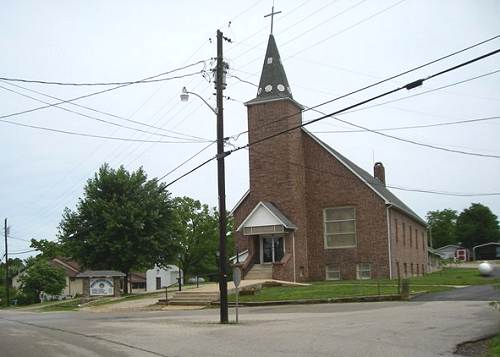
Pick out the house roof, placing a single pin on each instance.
(273, 83)
(273, 212)
(137, 277)
(446, 246)
(368, 179)
(432, 251)
(99, 273)
(71, 268)
(485, 244)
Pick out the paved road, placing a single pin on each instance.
(470, 293)
(375, 329)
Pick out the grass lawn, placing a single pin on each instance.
(455, 276)
(434, 282)
(494, 347)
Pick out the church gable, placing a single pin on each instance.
(265, 218)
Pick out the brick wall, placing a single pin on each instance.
(330, 184)
(407, 246)
(299, 176)
(273, 177)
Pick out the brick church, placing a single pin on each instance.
(310, 213)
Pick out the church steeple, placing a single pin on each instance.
(273, 83)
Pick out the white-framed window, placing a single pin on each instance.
(340, 227)
(332, 272)
(364, 271)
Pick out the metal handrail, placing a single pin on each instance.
(166, 291)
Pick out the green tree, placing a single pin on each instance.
(41, 276)
(442, 224)
(477, 225)
(124, 221)
(198, 235)
(16, 266)
(49, 249)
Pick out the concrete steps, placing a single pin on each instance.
(193, 298)
(260, 271)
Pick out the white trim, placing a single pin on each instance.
(358, 270)
(485, 244)
(264, 100)
(343, 163)
(240, 201)
(389, 239)
(273, 255)
(479, 246)
(255, 209)
(355, 228)
(59, 261)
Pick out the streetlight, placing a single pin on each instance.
(221, 154)
(185, 97)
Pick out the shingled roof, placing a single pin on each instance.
(273, 82)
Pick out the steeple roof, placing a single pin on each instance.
(273, 82)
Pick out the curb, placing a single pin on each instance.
(318, 301)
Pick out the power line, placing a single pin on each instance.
(75, 84)
(186, 161)
(413, 141)
(23, 252)
(95, 118)
(424, 92)
(324, 22)
(348, 28)
(445, 193)
(408, 86)
(94, 135)
(21, 239)
(378, 82)
(107, 90)
(264, 157)
(190, 171)
(409, 126)
(108, 114)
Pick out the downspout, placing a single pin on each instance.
(388, 214)
(293, 257)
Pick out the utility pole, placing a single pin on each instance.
(7, 297)
(219, 86)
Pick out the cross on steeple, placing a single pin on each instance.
(272, 16)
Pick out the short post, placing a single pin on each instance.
(166, 295)
(237, 302)
(197, 281)
(236, 281)
(405, 289)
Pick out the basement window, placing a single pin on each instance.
(332, 272)
(364, 271)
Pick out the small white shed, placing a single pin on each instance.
(157, 278)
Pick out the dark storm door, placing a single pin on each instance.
(267, 250)
(158, 283)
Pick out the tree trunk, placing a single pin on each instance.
(125, 285)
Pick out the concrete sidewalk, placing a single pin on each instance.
(245, 284)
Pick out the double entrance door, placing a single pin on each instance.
(271, 249)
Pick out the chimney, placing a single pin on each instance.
(379, 172)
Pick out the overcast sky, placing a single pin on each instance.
(328, 48)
